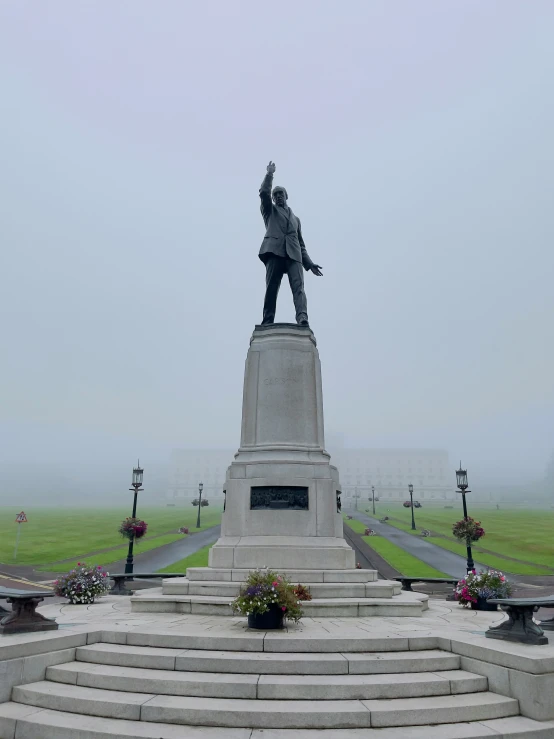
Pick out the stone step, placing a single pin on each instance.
(368, 687)
(295, 576)
(239, 639)
(33, 723)
(404, 604)
(269, 663)
(266, 687)
(261, 714)
(224, 589)
(158, 682)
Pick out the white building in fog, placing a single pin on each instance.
(189, 467)
(389, 470)
(392, 470)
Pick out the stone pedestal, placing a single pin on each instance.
(282, 506)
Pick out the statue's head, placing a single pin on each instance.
(280, 196)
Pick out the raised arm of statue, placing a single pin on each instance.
(265, 192)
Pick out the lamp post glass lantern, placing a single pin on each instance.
(136, 487)
(411, 491)
(462, 484)
(137, 476)
(200, 488)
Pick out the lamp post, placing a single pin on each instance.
(373, 497)
(136, 486)
(411, 490)
(461, 482)
(200, 488)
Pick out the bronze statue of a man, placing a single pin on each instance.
(283, 251)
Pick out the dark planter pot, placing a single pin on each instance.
(482, 605)
(272, 619)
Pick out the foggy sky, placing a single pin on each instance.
(415, 142)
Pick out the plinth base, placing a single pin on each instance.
(282, 552)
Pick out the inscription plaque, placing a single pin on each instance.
(279, 497)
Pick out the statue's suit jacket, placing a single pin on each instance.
(283, 236)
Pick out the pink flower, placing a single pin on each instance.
(275, 584)
(283, 608)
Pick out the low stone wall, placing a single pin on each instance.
(24, 659)
(515, 670)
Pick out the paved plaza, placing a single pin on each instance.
(110, 672)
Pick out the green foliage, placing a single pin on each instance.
(265, 588)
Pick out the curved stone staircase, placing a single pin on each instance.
(167, 685)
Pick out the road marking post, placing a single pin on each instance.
(19, 519)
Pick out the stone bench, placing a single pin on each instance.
(407, 581)
(23, 616)
(119, 579)
(520, 626)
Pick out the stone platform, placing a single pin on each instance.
(110, 673)
(343, 593)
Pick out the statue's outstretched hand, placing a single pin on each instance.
(316, 269)
(271, 168)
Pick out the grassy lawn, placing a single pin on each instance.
(397, 557)
(356, 526)
(72, 534)
(405, 563)
(198, 559)
(522, 534)
(114, 555)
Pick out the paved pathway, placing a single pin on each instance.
(157, 559)
(437, 557)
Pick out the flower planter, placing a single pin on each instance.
(82, 584)
(272, 619)
(482, 605)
